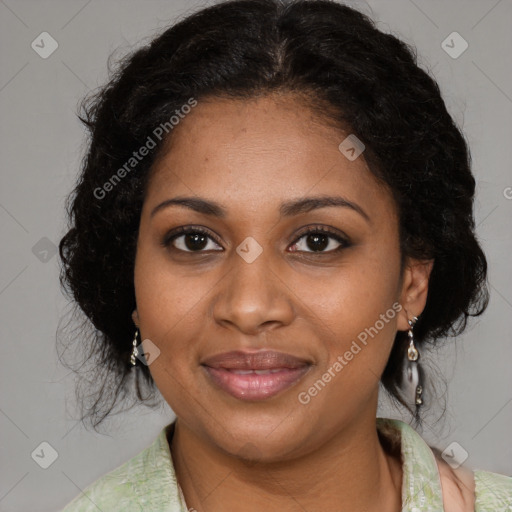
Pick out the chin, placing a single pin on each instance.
(259, 437)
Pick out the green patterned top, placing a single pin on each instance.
(147, 482)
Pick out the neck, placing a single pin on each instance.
(351, 471)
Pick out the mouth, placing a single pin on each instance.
(255, 375)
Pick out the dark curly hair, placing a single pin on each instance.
(352, 75)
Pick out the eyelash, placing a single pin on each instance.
(173, 235)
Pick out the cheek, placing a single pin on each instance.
(352, 298)
(356, 345)
(165, 296)
(356, 315)
(169, 308)
(170, 315)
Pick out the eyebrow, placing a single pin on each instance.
(287, 209)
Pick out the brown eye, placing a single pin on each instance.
(320, 240)
(189, 239)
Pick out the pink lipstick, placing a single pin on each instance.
(255, 375)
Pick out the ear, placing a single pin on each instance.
(413, 296)
(135, 317)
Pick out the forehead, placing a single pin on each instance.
(256, 153)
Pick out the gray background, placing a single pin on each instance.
(41, 145)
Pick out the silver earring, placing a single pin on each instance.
(412, 378)
(135, 351)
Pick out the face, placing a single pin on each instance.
(291, 287)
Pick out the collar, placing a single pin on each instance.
(421, 484)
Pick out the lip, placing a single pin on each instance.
(255, 375)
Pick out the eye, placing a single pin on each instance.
(190, 239)
(318, 239)
(195, 239)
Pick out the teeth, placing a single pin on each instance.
(257, 372)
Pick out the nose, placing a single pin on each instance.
(252, 297)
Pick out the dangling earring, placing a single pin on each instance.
(412, 379)
(135, 351)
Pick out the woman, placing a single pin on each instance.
(274, 216)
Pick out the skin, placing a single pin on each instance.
(250, 156)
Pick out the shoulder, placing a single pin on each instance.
(113, 491)
(458, 487)
(145, 482)
(479, 491)
(429, 480)
(493, 492)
